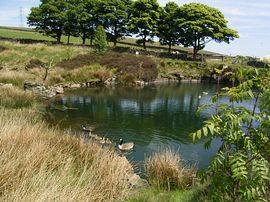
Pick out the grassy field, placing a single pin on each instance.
(30, 34)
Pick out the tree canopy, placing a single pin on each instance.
(49, 17)
(191, 25)
(167, 26)
(200, 24)
(144, 21)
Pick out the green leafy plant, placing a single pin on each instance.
(240, 169)
(100, 40)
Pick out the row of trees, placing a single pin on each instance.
(190, 25)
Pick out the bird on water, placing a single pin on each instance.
(125, 146)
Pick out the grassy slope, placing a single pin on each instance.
(28, 33)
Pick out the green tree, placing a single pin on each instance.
(167, 25)
(240, 169)
(71, 25)
(116, 15)
(49, 18)
(100, 39)
(202, 24)
(144, 21)
(87, 11)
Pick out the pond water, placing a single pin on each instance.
(154, 117)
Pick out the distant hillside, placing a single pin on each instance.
(29, 34)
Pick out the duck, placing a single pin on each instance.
(85, 129)
(205, 93)
(199, 96)
(126, 146)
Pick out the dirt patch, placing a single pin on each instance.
(34, 63)
(129, 66)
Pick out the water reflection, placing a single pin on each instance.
(154, 117)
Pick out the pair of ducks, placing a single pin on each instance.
(122, 146)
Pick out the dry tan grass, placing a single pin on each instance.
(13, 97)
(166, 170)
(17, 78)
(43, 164)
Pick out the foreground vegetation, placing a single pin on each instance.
(39, 163)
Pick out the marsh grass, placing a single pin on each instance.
(13, 97)
(166, 171)
(39, 163)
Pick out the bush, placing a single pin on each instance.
(142, 67)
(100, 40)
(166, 170)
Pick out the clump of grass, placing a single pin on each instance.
(17, 78)
(39, 163)
(88, 73)
(13, 97)
(166, 170)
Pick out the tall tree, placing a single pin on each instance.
(87, 11)
(202, 24)
(49, 18)
(71, 25)
(116, 16)
(167, 25)
(144, 20)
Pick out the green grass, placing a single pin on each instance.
(151, 195)
(30, 34)
(19, 55)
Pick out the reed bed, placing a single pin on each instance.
(39, 163)
(166, 170)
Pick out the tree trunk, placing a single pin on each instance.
(83, 39)
(144, 42)
(195, 51)
(115, 32)
(68, 39)
(58, 37)
(170, 47)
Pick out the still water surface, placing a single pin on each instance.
(154, 118)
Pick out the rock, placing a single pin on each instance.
(75, 85)
(139, 83)
(135, 181)
(7, 85)
(110, 81)
(58, 90)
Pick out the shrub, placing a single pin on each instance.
(100, 40)
(166, 170)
